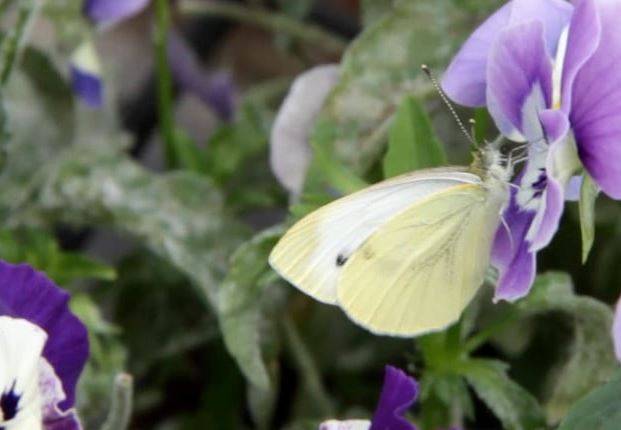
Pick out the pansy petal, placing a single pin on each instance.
(519, 80)
(28, 294)
(108, 12)
(465, 80)
(558, 173)
(345, 425)
(616, 330)
(21, 346)
(85, 73)
(52, 394)
(398, 394)
(572, 189)
(511, 255)
(216, 90)
(290, 151)
(554, 14)
(582, 40)
(596, 104)
(547, 220)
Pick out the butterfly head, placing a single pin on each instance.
(491, 164)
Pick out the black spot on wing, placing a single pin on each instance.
(341, 259)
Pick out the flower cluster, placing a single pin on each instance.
(547, 70)
(215, 90)
(43, 349)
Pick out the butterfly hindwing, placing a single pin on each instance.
(418, 271)
(313, 253)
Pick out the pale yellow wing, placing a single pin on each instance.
(313, 252)
(418, 272)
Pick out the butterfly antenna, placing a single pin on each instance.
(450, 107)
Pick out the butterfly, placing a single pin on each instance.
(405, 256)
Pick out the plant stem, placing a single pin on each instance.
(273, 21)
(497, 326)
(15, 38)
(164, 80)
(307, 367)
(121, 403)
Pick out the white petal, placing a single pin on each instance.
(290, 152)
(345, 425)
(21, 347)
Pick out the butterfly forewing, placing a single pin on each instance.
(313, 253)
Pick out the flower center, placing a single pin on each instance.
(9, 403)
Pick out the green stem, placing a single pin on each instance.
(15, 38)
(492, 329)
(307, 368)
(164, 80)
(121, 403)
(276, 22)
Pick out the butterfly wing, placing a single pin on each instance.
(418, 272)
(314, 251)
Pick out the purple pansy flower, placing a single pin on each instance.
(216, 90)
(398, 395)
(85, 75)
(547, 70)
(109, 12)
(43, 349)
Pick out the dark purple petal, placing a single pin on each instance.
(519, 76)
(465, 80)
(87, 87)
(398, 395)
(52, 394)
(28, 294)
(582, 41)
(616, 330)
(217, 91)
(112, 11)
(511, 253)
(596, 103)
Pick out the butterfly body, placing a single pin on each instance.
(404, 256)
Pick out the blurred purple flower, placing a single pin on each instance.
(398, 395)
(547, 71)
(216, 90)
(85, 75)
(44, 351)
(109, 12)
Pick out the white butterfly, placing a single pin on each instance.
(405, 256)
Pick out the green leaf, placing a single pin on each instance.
(588, 194)
(180, 216)
(107, 359)
(382, 65)
(412, 144)
(516, 408)
(590, 358)
(373, 10)
(600, 410)
(240, 312)
(40, 250)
